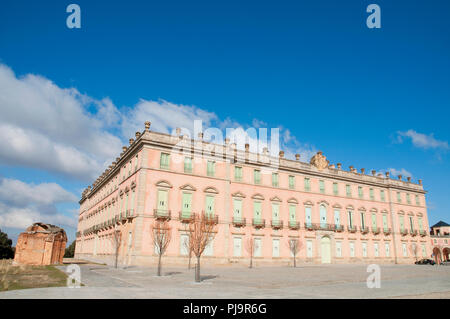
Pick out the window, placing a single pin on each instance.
(238, 173)
(237, 246)
(136, 163)
(275, 248)
(364, 249)
(322, 186)
(257, 176)
(352, 249)
(371, 194)
(309, 249)
(417, 200)
(184, 244)
(408, 199)
(129, 168)
(424, 251)
(188, 165)
(292, 214)
(237, 204)
(307, 184)
(420, 224)
(338, 249)
(387, 249)
(335, 189)
(350, 219)
(405, 251)
(209, 205)
(399, 198)
(360, 192)
(374, 221)
(186, 205)
(402, 222)
(308, 215)
(164, 161)
(257, 242)
(383, 199)
(210, 168)
(209, 248)
(411, 223)
(363, 220)
(291, 182)
(275, 179)
(162, 201)
(376, 250)
(257, 211)
(275, 212)
(348, 190)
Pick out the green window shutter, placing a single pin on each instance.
(350, 218)
(335, 189)
(385, 224)
(292, 214)
(348, 190)
(209, 205)
(402, 222)
(408, 199)
(360, 192)
(308, 215)
(291, 182)
(322, 186)
(188, 165)
(257, 176)
(420, 224)
(186, 204)
(237, 208)
(275, 212)
(374, 221)
(411, 223)
(382, 195)
(164, 161)
(257, 210)
(363, 221)
(417, 200)
(162, 200)
(307, 184)
(238, 173)
(399, 199)
(372, 196)
(275, 179)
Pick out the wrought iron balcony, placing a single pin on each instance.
(351, 229)
(413, 232)
(310, 226)
(403, 232)
(238, 222)
(386, 231)
(123, 216)
(211, 218)
(186, 217)
(162, 214)
(364, 230)
(294, 225)
(338, 228)
(375, 230)
(276, 224)
(422, 233)
(258, 223)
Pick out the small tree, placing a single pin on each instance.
(202, 230)
(294, 247)
(116, 240)
(413, 249)
(250, 246)
(6, 249)
(189, 250)
(70, 251)
(161, 234)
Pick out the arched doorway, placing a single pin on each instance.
(437, 255)
(446, 253)
(325, 245)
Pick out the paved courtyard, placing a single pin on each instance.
(306, 281)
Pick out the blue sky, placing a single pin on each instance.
(372, 98)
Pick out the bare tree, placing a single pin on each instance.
(250, 247)
(189, 250)
(202, 231)
(413, 249)
(161, 235)
(116, 240)
(294, 246)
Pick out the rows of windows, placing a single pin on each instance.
(275, 182)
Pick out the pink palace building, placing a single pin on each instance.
(338, 216)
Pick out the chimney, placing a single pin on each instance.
(281, 154)
(374, 172)
(137, 134)
(247, 147)
(408, 179)
(387, 174)
(399, 177)
(131, 141)
(363, 170)
(124, 148)
(297, 157)
(332, 166)
(351, 168)
(339, 165)
(420, 182)
(147, 125)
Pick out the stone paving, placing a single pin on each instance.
(306, 281)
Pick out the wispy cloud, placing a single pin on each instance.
(421, 140)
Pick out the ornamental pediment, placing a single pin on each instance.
(188, 187)
(164, 184)
(292, 200)
(211, 190)
(275, 199)
(258, 196)
(238, 194)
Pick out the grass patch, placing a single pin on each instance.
(25, 276)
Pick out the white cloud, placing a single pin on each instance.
(22, 204)
(422, 140)
(395, 172)
(46, 127)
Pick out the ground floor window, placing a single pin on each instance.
(275, 248)
(338, 249)
(209, 249)
(237, 246)
(364, 249)
(375, 250)
(309, 249)
(424, 251)
(387, 249)
(405, 251)
(257, 247)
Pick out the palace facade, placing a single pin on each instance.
(337, 216)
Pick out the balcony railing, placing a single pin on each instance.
(413, 232)
(386, 231)
(351, 229)
(186, 217)
(422, 233)
(294, 225)
(238, 222)
(310, 226)
(276, 224)
(258, 223)
(162, 214)
(211, 218)
(364, 230)
(338, 228)
(375, 230)
(403, 232)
